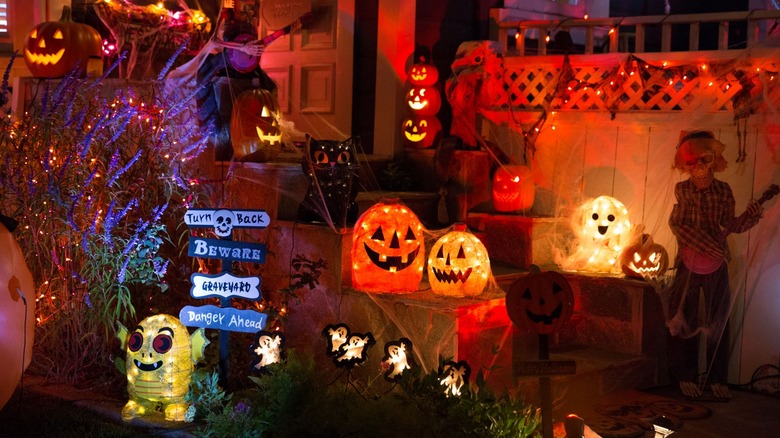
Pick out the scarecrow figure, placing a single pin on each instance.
(701, 218)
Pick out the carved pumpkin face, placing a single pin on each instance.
(423, 74)
(644, 259)
(254, 126)
(458, 264)
(513, 188)
(423, 100)
(388, 249)
(420, 132)
(54, 48)
(541, 302)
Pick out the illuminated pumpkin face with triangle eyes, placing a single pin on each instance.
(54, 48)
(159, 364)
(388, 249)
(420, 132)
(458, 264)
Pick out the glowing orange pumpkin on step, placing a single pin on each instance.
(388, 249)
(458, 264)
(541, 302)
(420, 132)
(423, 100)
(644, 259)
(513, 188)
(423, 73)
(54, 49)
(254, 126)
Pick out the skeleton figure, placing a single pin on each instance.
(223, 222)
(700, 220)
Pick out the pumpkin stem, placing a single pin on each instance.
(534, 270)
(67, 14)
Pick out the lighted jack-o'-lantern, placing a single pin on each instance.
(388, 249)
(423, 100)
(54, 49)
(513, 188)
(420, 132)
(423, 73)
(644, 259)
(254, 126)
(458, 264)
(541, 302)
(159, 363)
(602, 231)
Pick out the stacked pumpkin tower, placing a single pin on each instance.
(421, 129)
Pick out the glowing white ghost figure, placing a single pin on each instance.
(355, 350)
(453, 376)
(336, 336)
(398, 358)
(224, 220)
(268, 348)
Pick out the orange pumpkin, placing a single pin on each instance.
(542, 301)
(423, 73)
(458, 264)
(420, 132)
(388, 249)
(254, 126)
(54, 49)
(423, 100)
(513, 188)
(644, 258)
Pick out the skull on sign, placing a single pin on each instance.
(223, 222)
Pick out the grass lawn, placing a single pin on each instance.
(37, 415)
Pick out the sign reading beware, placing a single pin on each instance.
(224, 285)
(223, 318)
(226, 250)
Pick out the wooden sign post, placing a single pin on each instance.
(225, 285)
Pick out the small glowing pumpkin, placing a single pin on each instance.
(159, 364)
(644, 259)
(53, 49)
(513, 188)
(423, 100)
(423, 73)
(541, 301)
(388, 249)
(458, 264)
(420, 132)
(254, 126)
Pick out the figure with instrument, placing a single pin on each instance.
(701, 219)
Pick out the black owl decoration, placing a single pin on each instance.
(334, 182)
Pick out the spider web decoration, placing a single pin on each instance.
(144, 30)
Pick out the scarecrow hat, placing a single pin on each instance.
(698, 142)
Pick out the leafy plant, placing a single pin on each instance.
(205, 395)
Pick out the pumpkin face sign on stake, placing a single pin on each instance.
(420, 132)
(644, 259)
(254, 126)
(53, 49)
(388, 249)
(458, 264)
(541, 302)
(513, 188)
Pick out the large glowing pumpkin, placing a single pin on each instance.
(541, 302)
(159, 364)
(423, 100)
(513, 188)
(420, 132)
(254, 126)
(423, 73)
(458, 264)
(53, 49)
(644, 259)
(17, 315)
(388, 249)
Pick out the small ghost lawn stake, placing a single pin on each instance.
(454, 376)
(268, 349)
(398, 358)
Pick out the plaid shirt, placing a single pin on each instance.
(699, 216)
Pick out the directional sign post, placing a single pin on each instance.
(225, 285)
